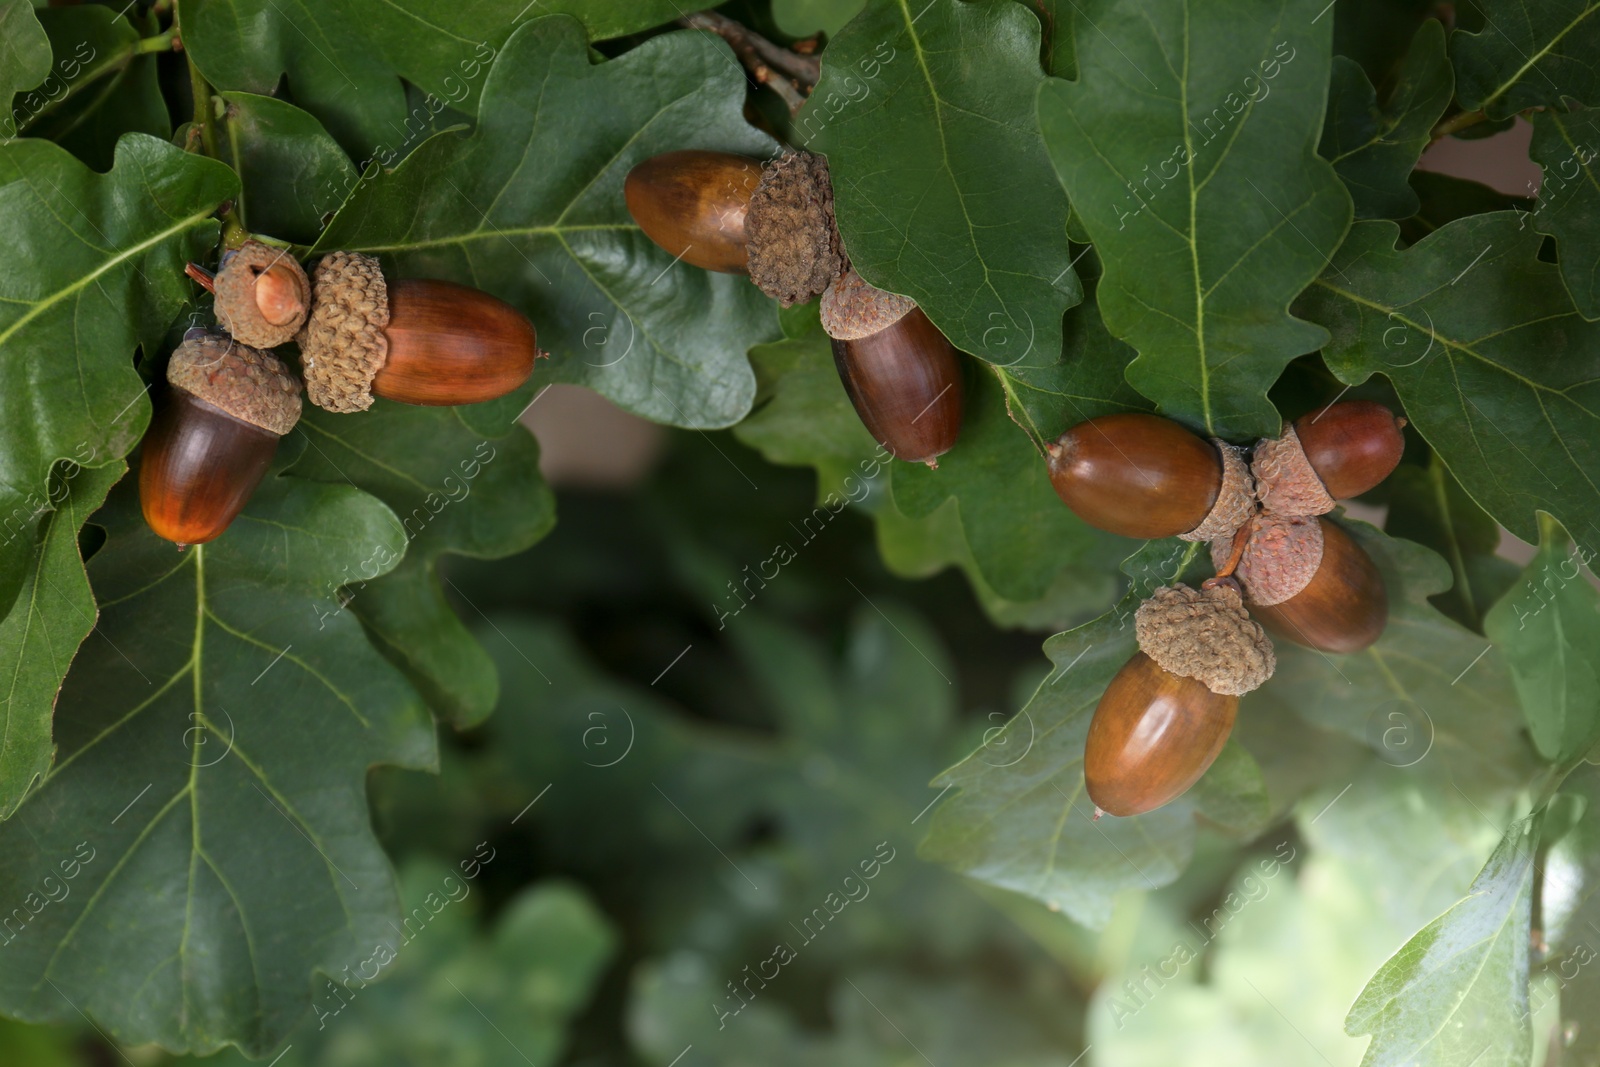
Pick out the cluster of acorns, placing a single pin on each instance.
(1169, 710)
(360, 335)
(774, 222)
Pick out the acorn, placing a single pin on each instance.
(1166, 715)
(902, 374)
(1335, 453)
(418, 341)
(213, 437)
(262, 295)
(1309, 582)
(1144, 476)
(694, 204)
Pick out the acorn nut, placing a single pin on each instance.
(213, 437)
(1309, 582)
(1334, 453)
(1166, 715)
(418, 341)
(694, 204)
(1145, 476)
(902, 374)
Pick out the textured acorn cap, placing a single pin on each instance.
(252, 386)
(235, 290)
(791, 239)
(1280, 558)
(1236, 500)
(853, 309)
(1285, 480)
(1205, 634)
(343, 346)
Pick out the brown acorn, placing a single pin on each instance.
(262, 294)
(213, 437)
(693, 204)
(902, 374)
(418, 341)
(1145, 476)
(1333, 453)
(1310, 583)
(1166, 715)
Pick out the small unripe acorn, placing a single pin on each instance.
(1169, 710)
(902, 374)
(262, 295)
(213, 437)
(795, 248)
(1307, 580)
(1333, 453)
(694, 204)
(418, 341)
(1145, 476)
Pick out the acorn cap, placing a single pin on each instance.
(1285, 479)
(343, 345)
(793, 244)
(853, 309)
(252, 386)
(237, 308)
(1280, 558)
(1236, 500)
(1205, 634)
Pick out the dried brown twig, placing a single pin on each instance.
(787, 73)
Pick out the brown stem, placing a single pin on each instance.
(206, 279)
(786, 73)
(1241, 538)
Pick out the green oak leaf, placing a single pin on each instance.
(353, 86)
(1024, 823)
(802, 18)
(1020, 532)
(1548, 628)
(292, 173)
(1566, 147)
(1375, 148)
(1188, 147)
(529, 206)
(1430, 696)
(1457, 992)
(1060, 21)
(610, 18)
(941, 184)
(209, 807)
(1377, 33)
(1530, 53)
(455, 491)
(95, 269)
(24, 56)
(102, 87)
(1495, 367)
(1428, 506)
(1088, 380)
(344, 61)
(54, 614)
(1446, 198)
(528, 974)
